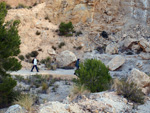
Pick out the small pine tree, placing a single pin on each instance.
(66, 28)
(94, 75)
(9, 47)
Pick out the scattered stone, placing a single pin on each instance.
(145, 56)
(15, 109)
(129, 41)
(112, 48)
(144, 44)
(116, 62)
(51, 52)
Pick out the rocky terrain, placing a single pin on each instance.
(125, 49)
(15, 3)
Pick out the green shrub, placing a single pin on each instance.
(6, 91)
(34, 54)
(130, 91)
(94, 75)
(66, 28)
(55, 88)
(78, 90)
(9, 47)
(19, 78)
(28, 56)
(54, 67)
(47, 62)
(38, 32)
(21, 57)
(21, 6)
(44, 86)
(8, 7)
(78, 33)
(61, 44)
(46, 18)
(54, 47)
(79, 48)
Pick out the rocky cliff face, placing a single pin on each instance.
(137, 9)
(105, 14)
(92, 12)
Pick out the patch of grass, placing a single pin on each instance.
(79, 48)
(19, 78)
(69, 35)
(129, 91)
(78, 90)
(44, 87)
(21, 6)
(25, 101)
(61, 44)
(78, 33)
(55, 88)
(21, 57)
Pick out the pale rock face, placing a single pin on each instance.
(116, 62)
(65, 58)
(51, 52)
(129, 41)
(145, 45)
(14, 3)
(15, 109)
(57, 107)
(112, 48)
(145, 56)
(137, 9)
(139, 78)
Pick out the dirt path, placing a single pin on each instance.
(59, 73)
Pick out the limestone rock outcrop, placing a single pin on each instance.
(65, 58)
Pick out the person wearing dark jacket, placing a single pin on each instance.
(77, 63)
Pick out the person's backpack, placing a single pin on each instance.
(33, 61)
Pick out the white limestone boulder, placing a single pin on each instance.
(116, 62)
(65, 58)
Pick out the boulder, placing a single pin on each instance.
(145, 45)
(145, 56)
(57, 107)
(116, 62)
(65, 58)
(51, 52)
(15, 109)
(139, 78)
(112, 48)
(129, 41)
